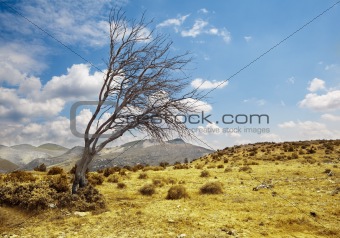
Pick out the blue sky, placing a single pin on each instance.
(297, 84)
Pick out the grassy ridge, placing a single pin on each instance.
(266, 189)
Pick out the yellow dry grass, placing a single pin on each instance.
(297, 202)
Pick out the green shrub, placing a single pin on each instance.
(212, 188)
(55, 170)
(177, 192)
(147, 189)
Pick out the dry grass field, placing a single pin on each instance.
(261, 190)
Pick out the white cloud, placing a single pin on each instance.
(206, 84)
(196, 29)
(173, 21)
(270, 137)
(330, 117)
(16, 108)
(248, 38)
(256, 101)
(16, 63)
(308, 130)
(78, 83)
(203, 10)
(316, 85)
(69, 21)
(330, 67)
(288, 124)
(199, 106)
(291, 80)
(326, 102)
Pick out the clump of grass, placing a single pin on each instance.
(199, 166)
(41, 168)
(121, 185)
(245, 169)
(108, 171)
(212, 188)
(177, 192)
(158, 182)
(55, 170)
(205, 174)
(95, 179)
(227, 170)
(143, 176)
(113, 178)
(147, 189)
(59, 183)
(19, 176)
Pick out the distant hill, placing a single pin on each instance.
(131, 153)
(7, 166)
(23, 154)
(51, 146)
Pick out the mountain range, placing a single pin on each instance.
(151, 152)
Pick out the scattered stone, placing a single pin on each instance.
(171, 221)
(181, 235)
(262, 186)
(81, 214)
(51, 205)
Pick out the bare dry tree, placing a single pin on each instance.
(143, 90)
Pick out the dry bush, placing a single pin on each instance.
(147, 189)
(211, 166)
(177, 192)
(199, 166)
(59, 183)
(41, 168)
(220, 166)
(245, 169)
(19, 176)
(212, 188)
(121, 185)
(205, 174)
(113, 178)
(55, 191)
(153, 168)
(95, 179)
(225, 160)
(181, 166)
(55, 170)
(108, 171)
(143, 176)
(137, 167)
(158, 182)
(227, 170)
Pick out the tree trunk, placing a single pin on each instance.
(79, 176)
